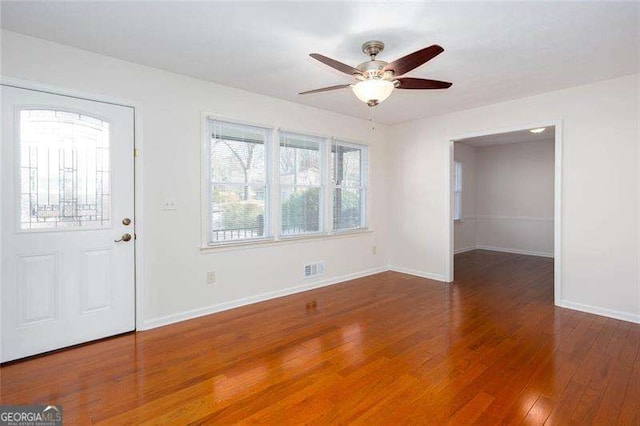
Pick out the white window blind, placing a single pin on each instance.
(301, 178)
(457, 190)
(349, 168)
(238, 184)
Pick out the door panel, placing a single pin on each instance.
(96, 267)
(67, 184)
(37, 288)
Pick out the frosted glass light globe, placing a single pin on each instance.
(373, 91)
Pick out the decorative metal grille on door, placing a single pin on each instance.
(65, 170)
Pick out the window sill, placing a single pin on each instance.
(268, 242)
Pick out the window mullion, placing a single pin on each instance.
(274, 177)
(328, 188)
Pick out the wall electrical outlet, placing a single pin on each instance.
(169, 204)
(211, 277)
(374, 250)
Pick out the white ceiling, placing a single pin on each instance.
(494, 51)
(510, 137)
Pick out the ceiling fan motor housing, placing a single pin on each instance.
(372, 48)
(373, 69)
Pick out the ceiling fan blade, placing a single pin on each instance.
(413, 60)
(422, 83)
(325, 89)
(347, 69)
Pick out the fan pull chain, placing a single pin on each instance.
(373, 126)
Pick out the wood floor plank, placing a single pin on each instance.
(490, 348)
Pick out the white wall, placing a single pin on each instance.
(465, 237)
(514, 191)
(600, 183)
(174, 267)
(599, 188)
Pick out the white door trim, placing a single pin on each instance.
(138, 172)
(557, 214)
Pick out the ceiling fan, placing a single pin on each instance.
(377, 79)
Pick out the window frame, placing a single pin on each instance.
(323, 164)
(273, 210)
(457, 190)
(208, 183)
(363, 187)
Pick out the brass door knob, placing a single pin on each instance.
(125, 237)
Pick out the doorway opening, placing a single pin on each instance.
(505, 196)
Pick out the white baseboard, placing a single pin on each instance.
(515, 251)
(429, 275)
(207, 310)
(465, 249)
(624, 316)
(503, 250)
(514, 218)
(195, 313)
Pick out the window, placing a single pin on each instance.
(65, 172)
(457, 190)
(348, 171)
(301, 180)
(262, 185)
(238, 182)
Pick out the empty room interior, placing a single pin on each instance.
(316, 212)
(504, 192)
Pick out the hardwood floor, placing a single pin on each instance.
(385, 349)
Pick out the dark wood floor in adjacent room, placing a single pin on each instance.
(385, 349)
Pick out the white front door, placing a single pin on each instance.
(67, 196)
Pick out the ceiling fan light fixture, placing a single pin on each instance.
(375, 79)
(373, 91)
